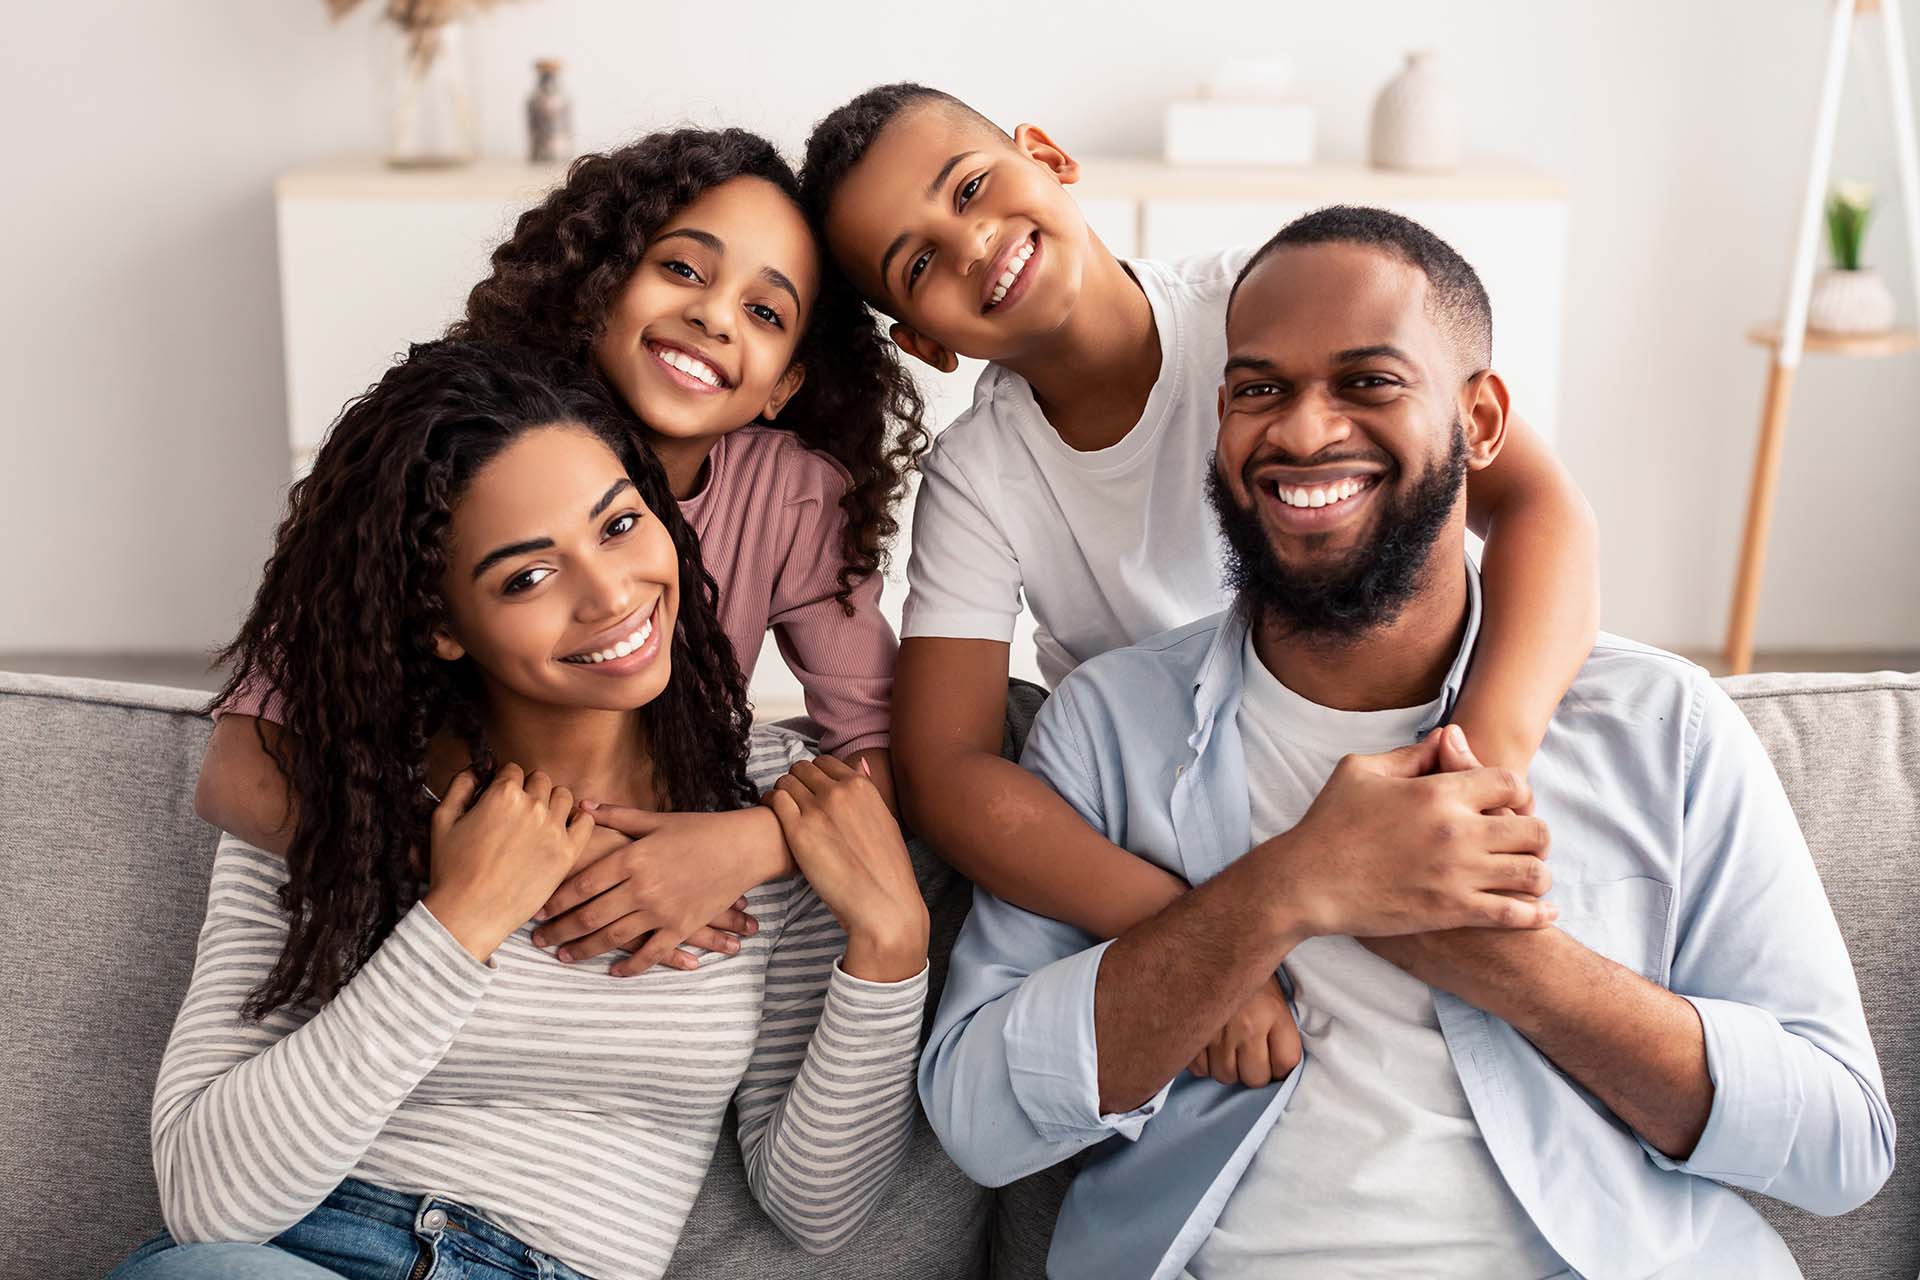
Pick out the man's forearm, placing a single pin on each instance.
(1636, 1046)
(1012, 834)
(1168, 984)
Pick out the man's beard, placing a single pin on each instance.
(1368, 587)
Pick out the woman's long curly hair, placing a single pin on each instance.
(555, 281)
(343, 627)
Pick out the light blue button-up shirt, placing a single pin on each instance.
(1675, 854)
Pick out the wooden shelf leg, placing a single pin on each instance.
(1753, 547)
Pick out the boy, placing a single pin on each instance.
(1077, 480)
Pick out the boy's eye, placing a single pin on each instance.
(680, 268)
(525, 580)
(918, 265)
(765, 312)
(972, 186)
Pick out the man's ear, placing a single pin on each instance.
(1484, 415)
(1220, 403)
(783, 390)
(922, 348)
(445, 647)
(1032, 140)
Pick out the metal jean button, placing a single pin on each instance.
(434, 1219)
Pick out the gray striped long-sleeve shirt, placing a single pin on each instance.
(576, 1110)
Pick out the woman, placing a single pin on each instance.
(484, 593)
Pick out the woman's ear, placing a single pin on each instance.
(923, 348)
(445, 647)
(783, 390)
(1032, 141)
(1485, 418)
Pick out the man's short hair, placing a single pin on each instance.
(844, 136)
(1456, 297)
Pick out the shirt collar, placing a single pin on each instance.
(1223, 675)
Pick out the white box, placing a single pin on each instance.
(1240, 133)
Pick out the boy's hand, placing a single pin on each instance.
(1258, 1045)
(1389, 847)
(494, 863)
(851, 852)
(681, 880)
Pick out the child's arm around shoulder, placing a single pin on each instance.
(241, 788)
(1540, 579)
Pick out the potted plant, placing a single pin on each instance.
(1850, 298)
(427, 66)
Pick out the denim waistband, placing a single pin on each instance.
(431, 1214)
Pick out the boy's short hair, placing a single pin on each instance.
(1459, 300)
(843, 137)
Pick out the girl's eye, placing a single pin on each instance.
(526, 580)
(765, 312)
(680, 268)
(918, 265)
(623, 523)
(968, 191)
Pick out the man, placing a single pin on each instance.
(1543, 1102)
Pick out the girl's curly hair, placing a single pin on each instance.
(555, 281)
(343, 627)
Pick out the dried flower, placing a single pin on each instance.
(422, 20)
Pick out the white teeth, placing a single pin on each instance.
(1318, 498)
(687, 364)
(1015, 265)
(619, 650)
(1323, 496)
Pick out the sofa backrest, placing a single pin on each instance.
(106, 870)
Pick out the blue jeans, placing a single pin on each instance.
(360, 1232)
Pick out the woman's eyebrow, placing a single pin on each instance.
(513, 549)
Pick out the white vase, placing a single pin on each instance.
(428, 80)
(1416, 119)
(1850, 302)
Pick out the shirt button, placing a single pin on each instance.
(434, 1220)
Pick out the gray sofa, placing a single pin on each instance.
(105, 873)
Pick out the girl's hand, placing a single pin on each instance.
(681, 880)
(849, 848)
(494, 863)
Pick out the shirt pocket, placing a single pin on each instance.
(1627, 921)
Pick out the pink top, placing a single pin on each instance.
(769, 521)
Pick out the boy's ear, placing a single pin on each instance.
(1484, 404)
(783, 390)
(922, 348)
(445, 647)
(1033, 142)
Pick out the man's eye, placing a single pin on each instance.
(680, 268)
(918, 265)
(526, 581)
(972, 186)
(623, 523)
(765, 312)
(1371, 382)
(1258, 389)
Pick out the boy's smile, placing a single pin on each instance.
(964, 235)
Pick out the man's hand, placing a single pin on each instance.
(681, 880)
(1258, 1045)
(1390, 846)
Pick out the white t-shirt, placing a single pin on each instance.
(1377, 1168)
(1109, 546)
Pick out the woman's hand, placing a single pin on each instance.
(681, 880)
(494, 863)
(849, 848)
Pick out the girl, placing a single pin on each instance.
(682, 270)
(373, 1067)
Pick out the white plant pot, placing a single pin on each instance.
(1416, 120)
(1850, 302)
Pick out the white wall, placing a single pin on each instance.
(142, 456)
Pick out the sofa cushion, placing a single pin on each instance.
(1847, 749)
(106, 869)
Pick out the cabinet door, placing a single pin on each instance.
(1519, 247)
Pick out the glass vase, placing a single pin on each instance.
(429, 77)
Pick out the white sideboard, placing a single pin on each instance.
(372, 259)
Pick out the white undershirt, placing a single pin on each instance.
(1377, 1168)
